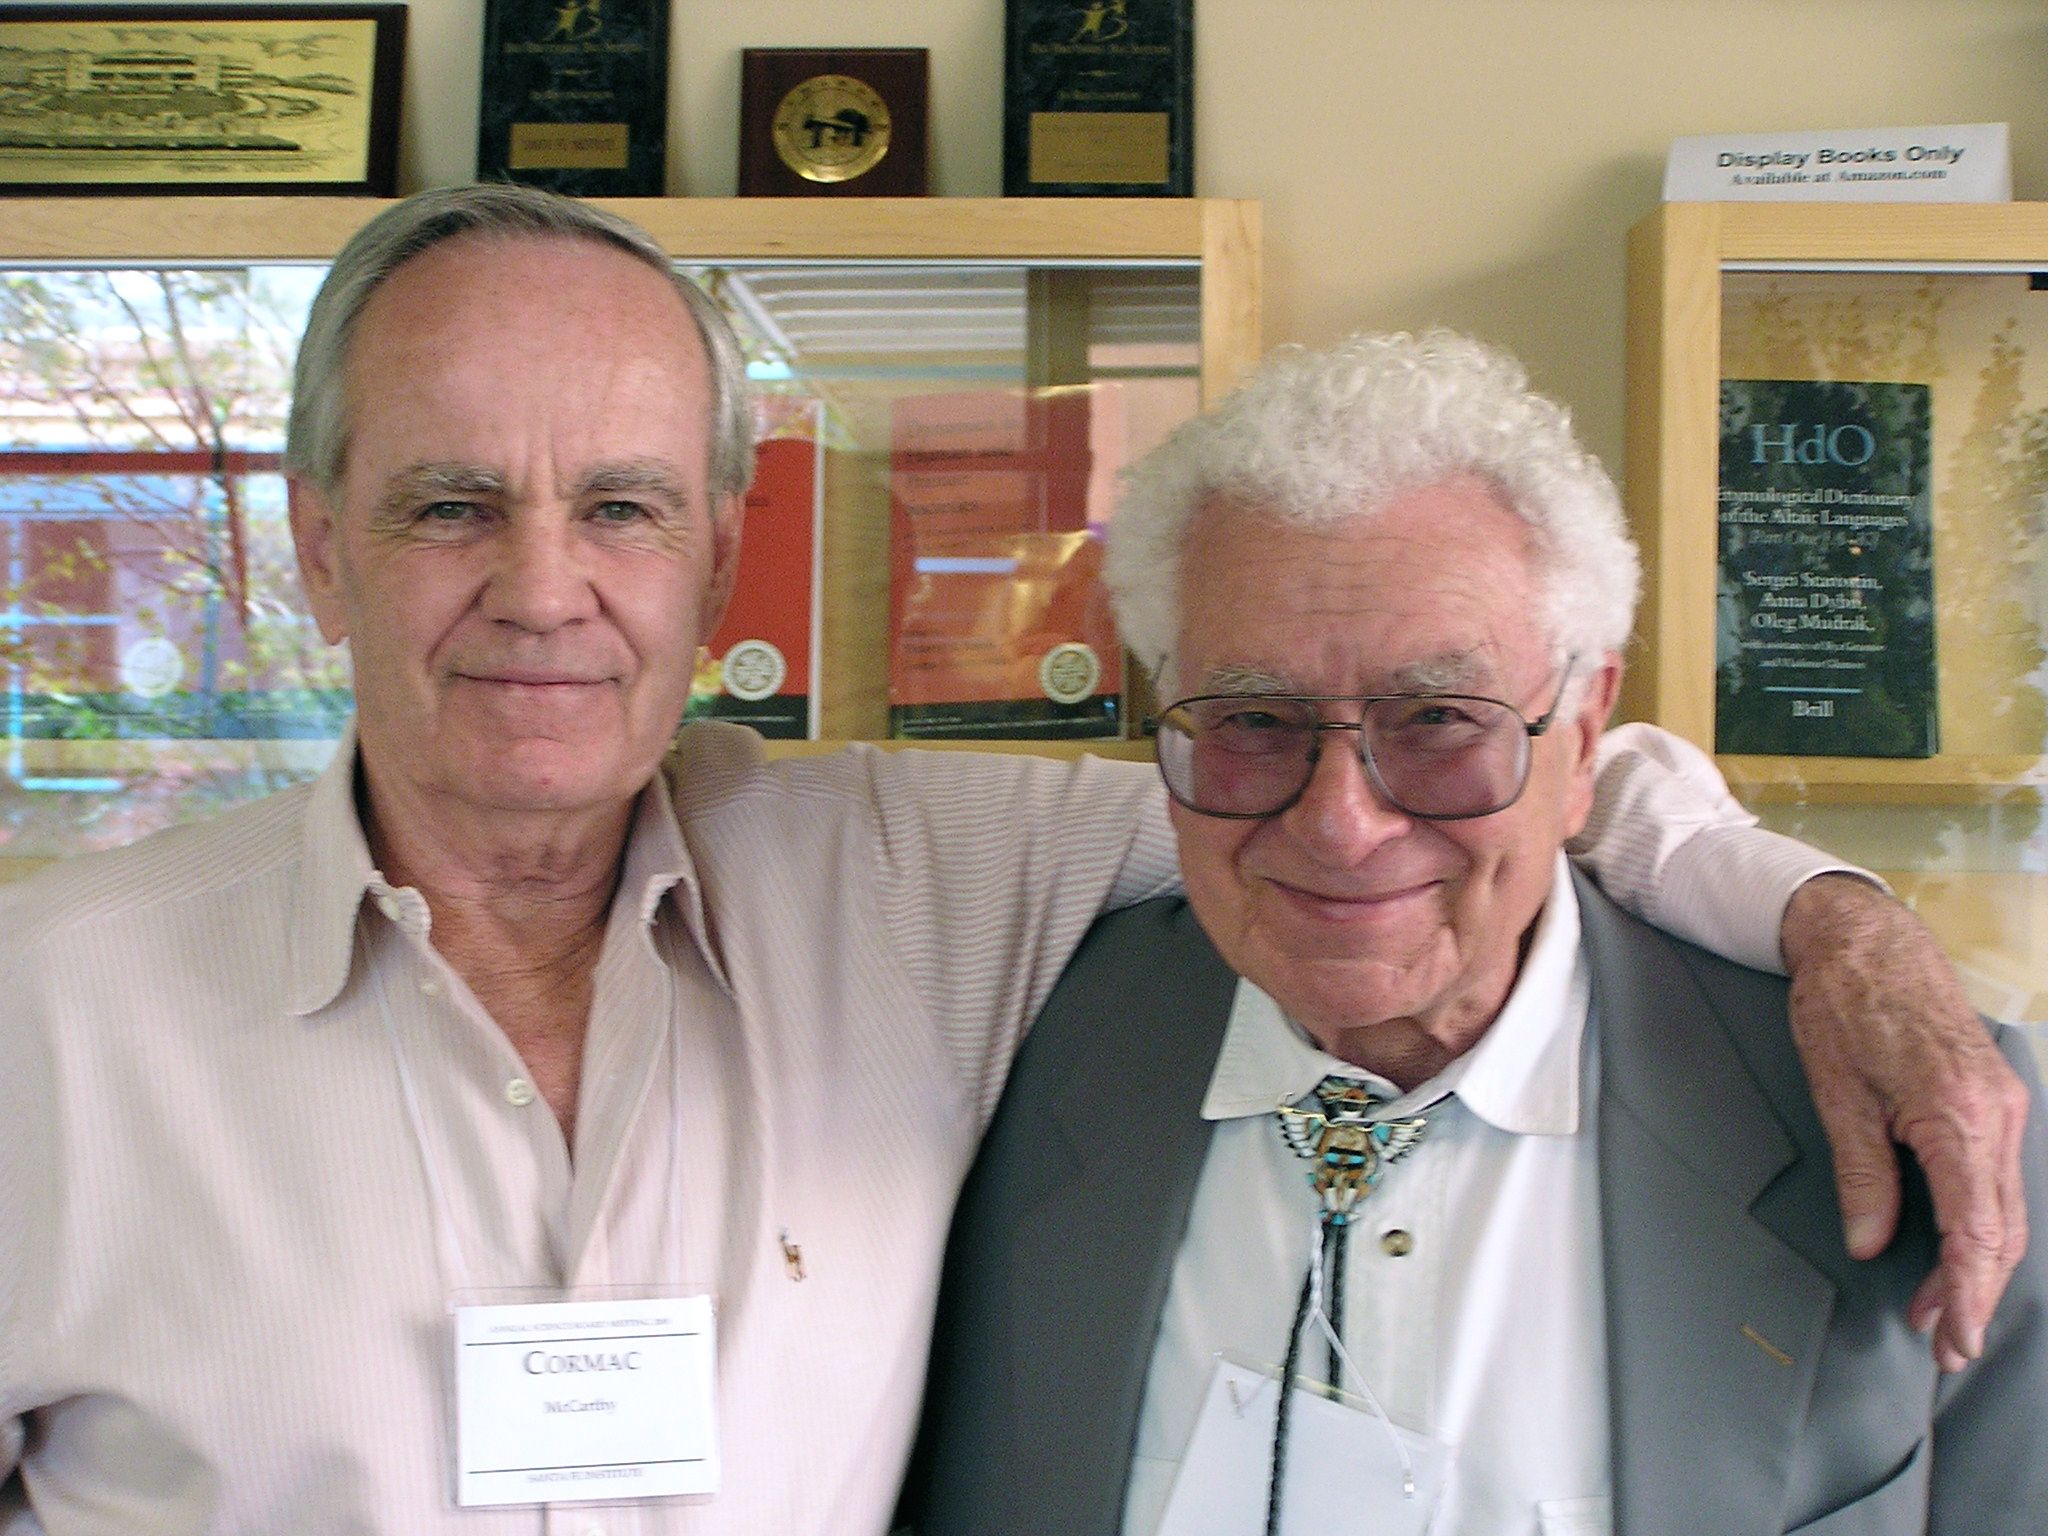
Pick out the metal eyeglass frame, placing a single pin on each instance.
(1531, 729)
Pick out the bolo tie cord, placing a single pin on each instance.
(1348, 1152)
(1336, 1244)
(1334, 1248)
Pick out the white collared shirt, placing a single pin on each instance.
(1487, 1332)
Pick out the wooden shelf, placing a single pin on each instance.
(1223, 234)
(1947, 779)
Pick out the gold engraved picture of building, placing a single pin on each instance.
(258, 98)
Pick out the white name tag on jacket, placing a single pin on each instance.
(1344, 1476)
(557, 1401)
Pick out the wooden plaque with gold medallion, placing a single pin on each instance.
(826, 122)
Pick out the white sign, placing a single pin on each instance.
(1346, 1475)
(1970, 163)
(569, 1400)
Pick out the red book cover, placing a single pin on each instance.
(999, 626)
(759, 666)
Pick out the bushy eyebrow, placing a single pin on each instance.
(1451, 672)
(422, 483)
(1245, 680)
(644, 477)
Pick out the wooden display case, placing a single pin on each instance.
(1935, 294)
(1677, 261)
(1062, 273)
(1048, 240)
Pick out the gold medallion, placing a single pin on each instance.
(832, 128)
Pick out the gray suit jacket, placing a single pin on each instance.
(1719, 1224)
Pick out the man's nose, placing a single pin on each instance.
(1342, 816)
(540, 579)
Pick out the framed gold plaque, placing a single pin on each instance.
(144, 99)
(822, 122)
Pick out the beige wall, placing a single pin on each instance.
(1473, 162)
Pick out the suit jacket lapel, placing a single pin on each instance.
(1095, 1255)
(1714, 1325)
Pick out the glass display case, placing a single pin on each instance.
(949, 388)
(1820, 389)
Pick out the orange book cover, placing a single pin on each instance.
(759, 666)
(999, 624)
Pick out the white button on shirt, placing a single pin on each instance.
(1482, 1326)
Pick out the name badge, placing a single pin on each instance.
(1344, 1475)
(559, 1401)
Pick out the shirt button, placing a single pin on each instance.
(430, 988)
(519, 1093)
(388, 905)
(1396, 1242)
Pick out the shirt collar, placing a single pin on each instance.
(337, 875)
(334, 873)
(1522, 1075)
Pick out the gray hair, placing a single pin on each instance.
(316, 436)
(1315, 439)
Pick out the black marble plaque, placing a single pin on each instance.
(1098, 99)
(575, 95)
(1825, 640)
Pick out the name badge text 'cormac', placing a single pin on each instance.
(541, 1363)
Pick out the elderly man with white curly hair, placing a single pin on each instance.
(1524, 1200)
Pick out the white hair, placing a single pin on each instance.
(1315, 439)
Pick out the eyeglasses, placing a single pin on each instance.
(1438, 756)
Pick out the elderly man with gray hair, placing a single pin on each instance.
(1523, 1200)
(547, 1120)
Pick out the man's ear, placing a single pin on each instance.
(1582, 729)
(1596, 699)
(315, 537)
(726, 515)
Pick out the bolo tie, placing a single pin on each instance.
(1348, 1153)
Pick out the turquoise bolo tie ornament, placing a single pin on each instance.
(1348, 1153)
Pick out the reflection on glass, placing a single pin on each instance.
(157, 663)
(156, 659)
(1960, 835)
(976, 418)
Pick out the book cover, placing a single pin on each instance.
(1825, 624)
(999, 626)
(760, 665)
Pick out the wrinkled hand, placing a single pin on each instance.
(1894, 1052)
